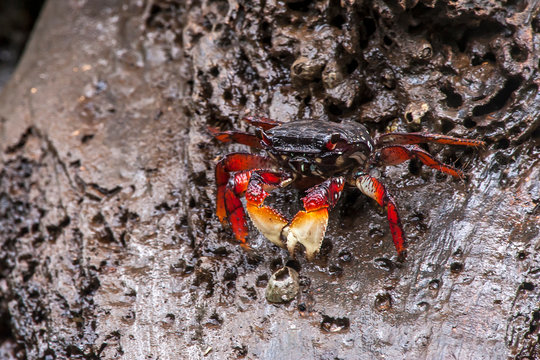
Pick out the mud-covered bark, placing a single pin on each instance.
(109, 245)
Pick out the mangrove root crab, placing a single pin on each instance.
(319, 156)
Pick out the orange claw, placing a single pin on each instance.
(307, 228)
(268, 221)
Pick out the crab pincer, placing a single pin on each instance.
(309, 225)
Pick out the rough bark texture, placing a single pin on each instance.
(109, 243)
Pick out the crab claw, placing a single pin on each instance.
(269, 221)
(307, 228)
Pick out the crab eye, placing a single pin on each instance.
(331, 144)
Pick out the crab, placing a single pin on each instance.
(321, 158)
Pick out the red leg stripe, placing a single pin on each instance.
(238, 137)
(371, 187)
(422, 138)
(239, 162)
(261, 122)
(428, 160)
(221, 211)
(396, 154)
(395, 227)
(237, 216)
(232, 163)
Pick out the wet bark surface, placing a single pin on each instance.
(110, 247)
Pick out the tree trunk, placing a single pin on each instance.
(110, 246)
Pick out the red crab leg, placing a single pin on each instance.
(237, 136)
(371, 187)
(396, 154)
(421, 138)
(254, 184)
(261, 122)
(234, 209)
(308, 227)
(230, 188)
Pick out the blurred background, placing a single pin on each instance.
(17, 18)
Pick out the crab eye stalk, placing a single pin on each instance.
(332, 142)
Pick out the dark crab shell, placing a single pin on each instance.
(319, 148)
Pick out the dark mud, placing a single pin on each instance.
(109, 243)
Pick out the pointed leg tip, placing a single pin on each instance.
(245, 246)
(402, 255)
